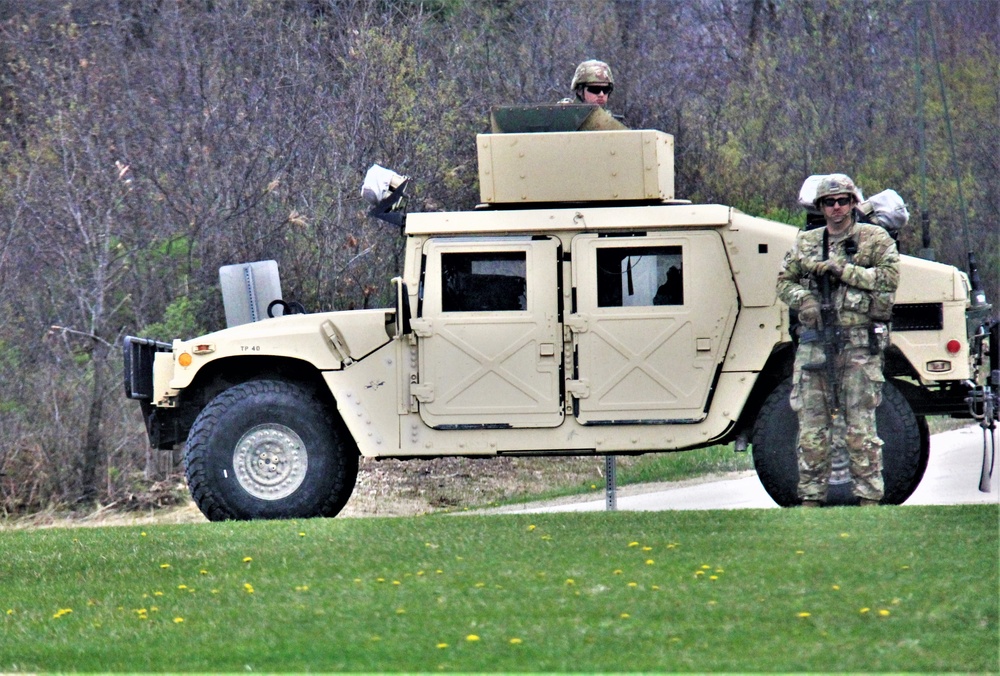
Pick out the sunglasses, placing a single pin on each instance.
(599, 89)
(839, 201)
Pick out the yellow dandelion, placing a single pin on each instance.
(883, 613)
(655, 587)
(705, 566)
(397, 582)
(650, 562)
(617, 571)
(380, 579)
(516, 641)
(531, 527)
(472, 638)
(247, 559)
(10, 611)
(804, 614)
(570, 581)
(164, 565)
(302, 534)
(61, 613)
(625, 616)
(713, 577)
(203, 572)
(699, 573)
(143, 533)
(672, 545)
(480, 585)
(633, 544)
(845, 535)
(835, 587)
(633, 584)
(248, 587)
(157, 593)
(442, 646)
(799, 552)
(864, 610)
(420, 573)
(182, 586)
(647, 549)
(178, 620)
(546, 537)
(401, 611)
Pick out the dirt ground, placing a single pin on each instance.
(384, 488)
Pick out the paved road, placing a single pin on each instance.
(952, 478)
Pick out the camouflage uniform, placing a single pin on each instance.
(863, 301)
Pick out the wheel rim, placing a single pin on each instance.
(270, 461)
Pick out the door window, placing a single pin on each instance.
(640, 276)
(484, 282)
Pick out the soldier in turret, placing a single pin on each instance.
(861, 265)
(593, 83)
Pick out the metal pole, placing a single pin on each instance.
(610, 483)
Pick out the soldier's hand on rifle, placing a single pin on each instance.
(832, 266)
(809, 312)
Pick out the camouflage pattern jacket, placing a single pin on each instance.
(867, 289)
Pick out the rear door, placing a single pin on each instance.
(653, 318)
(489, 334)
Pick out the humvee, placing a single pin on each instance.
(581, 308)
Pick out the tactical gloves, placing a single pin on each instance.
(832, 266)
(809, 312)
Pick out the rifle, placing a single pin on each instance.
(829, 332)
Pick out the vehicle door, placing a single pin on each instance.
(653, 318)
(489, 334)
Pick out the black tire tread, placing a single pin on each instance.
(199, 448)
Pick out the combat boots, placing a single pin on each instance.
(867, 502)
(811, 503)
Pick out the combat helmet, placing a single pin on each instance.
(837, 184)
(592, 72)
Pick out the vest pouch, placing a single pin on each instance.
(881, 305)
(856, 300)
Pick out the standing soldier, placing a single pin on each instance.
(842, 280)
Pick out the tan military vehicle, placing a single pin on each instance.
(580, 309)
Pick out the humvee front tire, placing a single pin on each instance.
(268, 449)
(904, 454)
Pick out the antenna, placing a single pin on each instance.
(978, 294)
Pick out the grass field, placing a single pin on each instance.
(886, 589)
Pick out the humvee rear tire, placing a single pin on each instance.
(904, 454)
(268, 449)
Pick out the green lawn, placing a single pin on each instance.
(884, 589)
